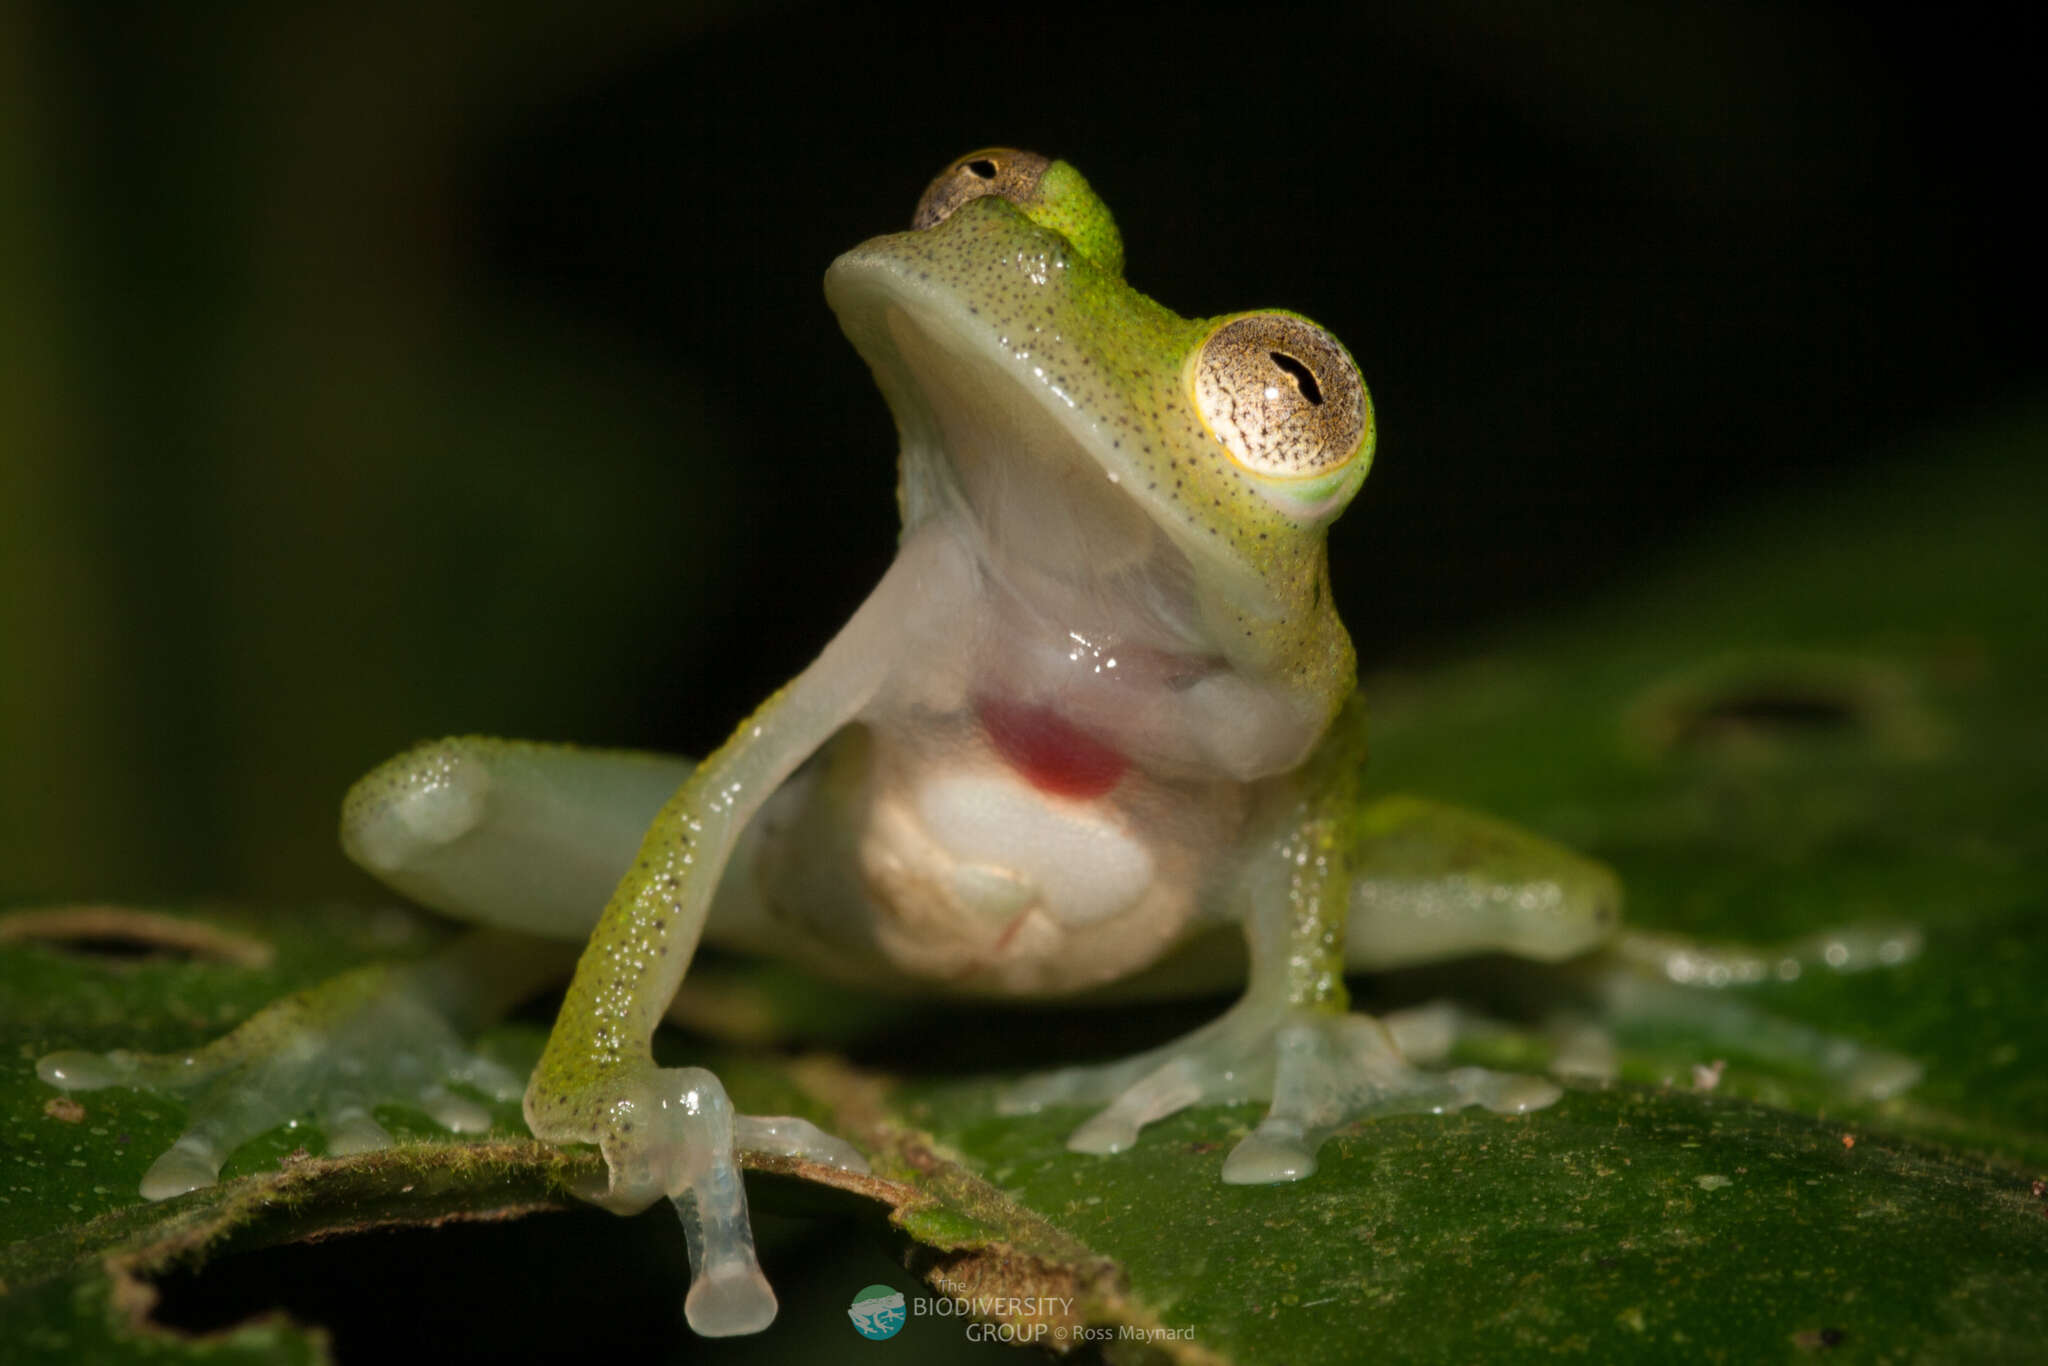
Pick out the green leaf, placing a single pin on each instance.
(1832, 714)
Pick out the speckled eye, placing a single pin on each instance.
(1281, 395)
(993, 170)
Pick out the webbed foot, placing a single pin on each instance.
(363, 1039)
(672, 1132)
(1318, 1070)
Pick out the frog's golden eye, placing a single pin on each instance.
(993, 170)
(1281, 395)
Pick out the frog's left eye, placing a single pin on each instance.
(1003, 171)
(1281, 395)
(1050, 193)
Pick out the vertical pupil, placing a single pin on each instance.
(1303, 380)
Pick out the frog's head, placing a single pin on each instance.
(1101, 441)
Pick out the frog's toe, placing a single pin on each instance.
(223, 1118)
(1168, 1089)
(457, 1114)
(350, 1129)
(730, 1302)
(1581, 1048)
(728, 1294)
(1635, 1001)
(75, 1070)
(482, 1074)
(787, 1136)
(186, 1165)
(337, 1051)
(1152, 1074)
(672, 1131)
(1873, 1073)
(1332, 1070)
(1319, 1071)
(1063, 1086)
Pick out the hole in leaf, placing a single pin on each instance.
(122, 934)
(580, 1285)
(1778, 705)
(1786, 710)
(516, 1290)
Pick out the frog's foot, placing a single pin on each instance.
(1319, 1071)
(1631, 1000)
(673, 1132)
(366, 1038)
(1582, 1048)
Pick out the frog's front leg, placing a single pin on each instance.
(1316, 885)
(672, 1131)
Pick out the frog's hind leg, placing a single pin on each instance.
(1307, 897)
(1317, 1069)
(384, 1034)
(525, 836)
(1650, 981)
(1648, 987)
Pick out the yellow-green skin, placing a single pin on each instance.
(1113, 525)
(1013, 272)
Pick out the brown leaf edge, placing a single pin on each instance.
(968, 1239)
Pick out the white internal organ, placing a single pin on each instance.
(1027, 848)
(996, 885)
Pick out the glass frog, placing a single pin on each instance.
(1097, 719)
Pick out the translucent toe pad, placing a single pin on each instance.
(364, 1039)
(730, 1301)
(1731, 1023)
(353, 1131)
(76, 1071)
(676, 1137)
(1318, 1071)
(785, 1136)
(185, 1166)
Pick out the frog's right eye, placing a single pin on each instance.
(1281, 396)
(1003, 171)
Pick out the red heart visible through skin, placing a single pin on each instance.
(1051, 752)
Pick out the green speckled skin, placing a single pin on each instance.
(1098, 714)
(1118, 362)
(1114, 368)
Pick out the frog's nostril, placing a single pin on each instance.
(983, 167)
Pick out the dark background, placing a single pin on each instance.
(385, 371)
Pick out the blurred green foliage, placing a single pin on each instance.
(1817, 718)
(379, 371)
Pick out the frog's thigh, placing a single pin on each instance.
(1431, 882)
(525, 836)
